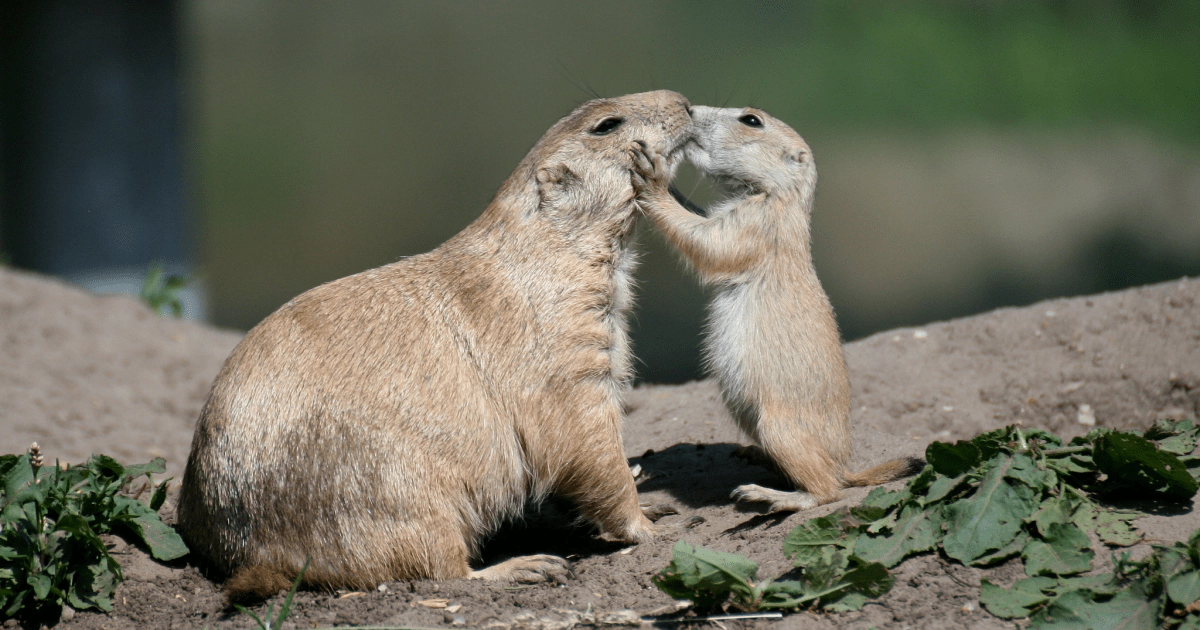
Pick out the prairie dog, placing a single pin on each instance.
(772, 340)
(385, 423)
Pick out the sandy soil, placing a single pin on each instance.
(81, 374)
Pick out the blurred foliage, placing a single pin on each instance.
(933, 64)
(333, 137)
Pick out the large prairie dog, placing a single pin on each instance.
(385, 423)
(772, 340)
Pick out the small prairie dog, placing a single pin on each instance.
(385, 423)
(772, 340)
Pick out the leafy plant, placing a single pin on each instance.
(710, 578)
(1006, 493)
(284, 610)
(161, 291)
(51, 520)
(1159, 591)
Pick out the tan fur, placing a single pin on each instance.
(386, 422)
(772, 340)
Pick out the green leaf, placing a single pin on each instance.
(7, 462)
(1129, 609)
(1025, 470)
(1054, 510)
(1013, 548)
(1133, 463)
(1172, 560)
(1102, 585)
(1178, 445)
(1085, 516)
(1118, 534)
(160, 495)
(1066, 551)
(157, 466)
(871, 579)
(942, 488)
(989, 519)
(918, 485)
(813, 540)
(1037, 584)
(1009, 604)
(41, 584)
(106, 465)
(867, 513)
(992, 442)
(19, 488)
(952, 460)
(915, 531)
(705, 576)
(849, 602)
(163, 542)
(884, 498)
(1184, 588)
(1164, 428)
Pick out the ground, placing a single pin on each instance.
(81, 373)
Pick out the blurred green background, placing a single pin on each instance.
(972, 154)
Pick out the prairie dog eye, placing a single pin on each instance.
(606, 126)
(750, 120)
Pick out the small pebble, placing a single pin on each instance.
(1086, 416)
(382, 588)
(920, 334)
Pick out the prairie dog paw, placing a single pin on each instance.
(656, 512)
(527, 570)
(776, 500)
(649, 174)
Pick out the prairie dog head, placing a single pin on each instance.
(751, 150)
(582, 163)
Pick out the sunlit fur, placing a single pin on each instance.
(772, 340)
(385, 423)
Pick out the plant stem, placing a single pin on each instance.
(1065, 450)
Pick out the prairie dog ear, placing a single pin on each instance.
(556, 175)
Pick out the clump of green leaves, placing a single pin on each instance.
(51, 520)
(712, 578)
(1006, 493)
(284, 610)
(160, 291)
(1159, 591)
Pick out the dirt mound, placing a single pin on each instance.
(82, 373)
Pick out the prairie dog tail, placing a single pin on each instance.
(255, 583)
(885, 472)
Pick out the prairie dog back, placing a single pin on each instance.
(772, 341)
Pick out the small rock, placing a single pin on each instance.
(920, 334)
(1086, 416)
(382, 588)
(68, 614)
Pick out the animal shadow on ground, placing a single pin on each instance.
(701, 475)
(695, 475)
(553, 527)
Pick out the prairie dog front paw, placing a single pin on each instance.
(650, 174)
